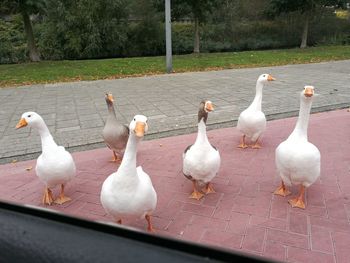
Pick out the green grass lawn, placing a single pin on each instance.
(75, 70)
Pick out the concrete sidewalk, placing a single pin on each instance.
(75, 112)
(243, 214)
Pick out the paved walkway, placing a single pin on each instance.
(75, 112)
(243, 214)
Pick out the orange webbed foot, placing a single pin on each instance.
(196, 195)
(208, 189)
(282, 190)
(62, 199)
(116, 158)
(242, 146)
(297, 202)
(47, 197)
(256, 146)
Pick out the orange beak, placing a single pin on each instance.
(309, 92)
(110, 97)
(140, 129)
(209, 106)
(270, 78)
(22, 123)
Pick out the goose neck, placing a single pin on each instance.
(301, 126)
(256, 104)
(128, 164)
(202, 132)
(111, 111)
(47, 141)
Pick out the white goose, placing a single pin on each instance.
(201, 161)
(252, 121)
(298, 161)
(129, 191)
(55, 166)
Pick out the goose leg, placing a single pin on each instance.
(195, 195)
(243, 145)
(256, 145)
(47, 197)
(61, 199)
(150, 227)
(209, 188)
(116, 158)
(282, 190)
(299, 200)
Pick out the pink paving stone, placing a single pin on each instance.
(331, 224)
(254, 239)
(303, 255)
(179, 223)
(198, 209)
(341, 244)
(224, 208)
(275, 250)
(342, 255)
(193, 233)
(212, 199)
(336, 208)
(268, 222)
(298, 223)
(208, 222)
(287, 238)
(243, 206)
(347, 207)
(170, 211)
(222, 239)
(238, 223)
(279, 207)
(321, 240)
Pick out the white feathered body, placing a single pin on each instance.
(125, 194)
(201, 161)
(55, 166)
(298, 162)
(252, 123)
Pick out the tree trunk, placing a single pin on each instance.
(305, 31)
(196, 35)
(33, 52)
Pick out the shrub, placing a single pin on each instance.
(12, 47)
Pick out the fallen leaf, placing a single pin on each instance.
(14, 161)
(29, 168)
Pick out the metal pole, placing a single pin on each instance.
(169, 59)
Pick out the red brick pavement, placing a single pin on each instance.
(243, 214)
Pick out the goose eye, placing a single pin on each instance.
(29, 116)
(134, 119)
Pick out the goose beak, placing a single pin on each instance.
(22, 123)
(308, 92)
(140, 129)
(270, 78)
(110, 97)
(209, 106)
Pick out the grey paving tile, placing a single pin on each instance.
(75, 112)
